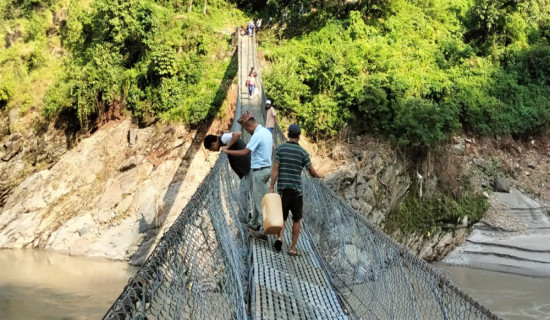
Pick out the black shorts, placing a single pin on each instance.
(292, 201)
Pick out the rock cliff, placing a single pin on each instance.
(372, 177)
(110, 196)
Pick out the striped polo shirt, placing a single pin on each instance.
(292, 159)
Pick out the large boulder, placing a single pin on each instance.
(501, 185)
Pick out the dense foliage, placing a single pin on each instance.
(146, 56)
(153, 58)
(27, 53)
(416, 71)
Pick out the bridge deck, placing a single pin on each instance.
(284, 287)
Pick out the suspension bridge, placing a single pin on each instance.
(207, 267)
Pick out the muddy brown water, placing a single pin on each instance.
(44, 285)
(510, 296)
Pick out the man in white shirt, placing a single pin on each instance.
(258, 24)
(251, 28)
(261, 147)
(271, 116)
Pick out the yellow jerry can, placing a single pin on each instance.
(272, 211)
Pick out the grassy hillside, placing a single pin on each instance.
(414, 71)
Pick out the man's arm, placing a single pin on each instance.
(314, 173)
(236, 153)
(234, 137)
(274, 176)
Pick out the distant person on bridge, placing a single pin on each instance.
(251, 82)
(271, 116)
(251, 28)
(260, 145)
(258, 24)
(289, 161)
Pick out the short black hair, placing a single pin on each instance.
(251, 119)
(293, 135)
(209, 140)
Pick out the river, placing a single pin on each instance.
(510, 296)
(44, 285)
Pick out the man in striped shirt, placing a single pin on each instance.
(289, 161)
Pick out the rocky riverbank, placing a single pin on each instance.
(513, 237)
(374, 178)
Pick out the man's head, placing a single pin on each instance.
(212, 143)
(268, 104)
(294, 131)
(248, 122)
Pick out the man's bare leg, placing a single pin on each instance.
(296, 226)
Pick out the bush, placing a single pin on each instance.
(412, 77)
(7, 87)
(322, 116)
(434, 213)
(28, 5)
(419, 122)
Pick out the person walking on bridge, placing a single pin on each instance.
(251, 28)
(251, 82)
(260, 145)
(271, 116)
(289, 161)
(258, 24)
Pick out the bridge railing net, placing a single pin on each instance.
(198, 270)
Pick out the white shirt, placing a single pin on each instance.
(226, 137)
(270, 121)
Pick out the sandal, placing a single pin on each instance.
(292, 254)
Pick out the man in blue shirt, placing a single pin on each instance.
(260, 145)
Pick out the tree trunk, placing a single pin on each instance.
(190, 5)
(204, 10)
